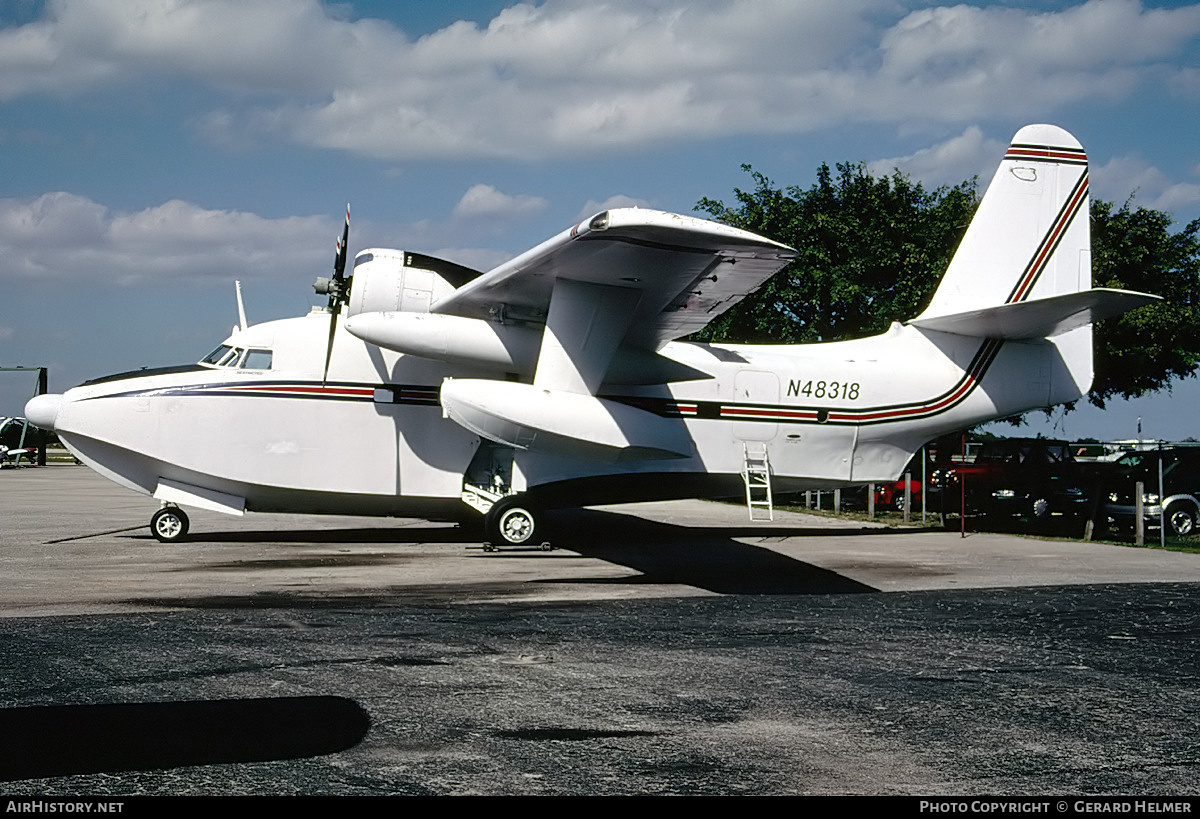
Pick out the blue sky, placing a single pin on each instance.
(152, 151)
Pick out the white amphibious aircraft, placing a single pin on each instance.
(555, 379)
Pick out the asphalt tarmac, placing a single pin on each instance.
(668, 648)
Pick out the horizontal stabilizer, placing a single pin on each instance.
(1039, 318)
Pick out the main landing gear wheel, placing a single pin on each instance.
(169, 524)
(512, 522)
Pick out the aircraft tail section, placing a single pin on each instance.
(1030, 237)
(1023, 274)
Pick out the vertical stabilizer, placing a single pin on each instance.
(1022, 276)
(1030, 236)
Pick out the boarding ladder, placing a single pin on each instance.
(756, 473)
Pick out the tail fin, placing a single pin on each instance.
(1023, 269)
(1030, 237)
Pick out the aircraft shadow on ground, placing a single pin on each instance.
(704, 557)
(448, 533)
(67, 740)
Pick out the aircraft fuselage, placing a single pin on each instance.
(372, 440)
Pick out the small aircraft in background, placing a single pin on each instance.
(18, 440)
(556, 379)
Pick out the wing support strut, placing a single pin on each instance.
(585, 325)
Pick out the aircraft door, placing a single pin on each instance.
(759, 388)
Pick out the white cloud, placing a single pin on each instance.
(568, 76)
(64, 236)
(267, 45)
(972, 154)
(485, 202)
(950, 162)
(592, 207)
(1151, 188)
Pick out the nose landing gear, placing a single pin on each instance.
(169, 524)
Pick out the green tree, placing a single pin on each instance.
(873, 249)
(1143, 351)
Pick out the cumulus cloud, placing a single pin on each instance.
(950, 162)
(1123, 176)
(64, 236)
(567, 76)
(485, 202)
(591, 207)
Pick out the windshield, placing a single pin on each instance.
(226, 356)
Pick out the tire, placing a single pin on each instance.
(169, 524)
(513, 522)
(1181, 520)
(1039, 509)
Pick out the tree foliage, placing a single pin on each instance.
(1143, 351)
(873, 249)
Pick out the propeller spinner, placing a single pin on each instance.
(337, 288)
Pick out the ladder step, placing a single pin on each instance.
(756, 473)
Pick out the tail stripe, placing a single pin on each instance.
(1044, 153)
(1075, 202)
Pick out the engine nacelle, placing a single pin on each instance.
(512, 348)
(387, 280)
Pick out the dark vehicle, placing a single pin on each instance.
(1032, 478)
(1178, 504)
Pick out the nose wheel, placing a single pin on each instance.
(169, 524)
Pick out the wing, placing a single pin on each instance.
(608, 290)
(669, 275)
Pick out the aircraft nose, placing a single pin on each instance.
(42, 410)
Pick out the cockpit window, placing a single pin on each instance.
(257, 360)
(226, 356)
(223, 356)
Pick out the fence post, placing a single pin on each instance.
(1139, 523)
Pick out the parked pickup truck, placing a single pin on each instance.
(1178, 505)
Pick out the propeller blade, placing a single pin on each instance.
(339, 265)
(339, 291)
(329, 347)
